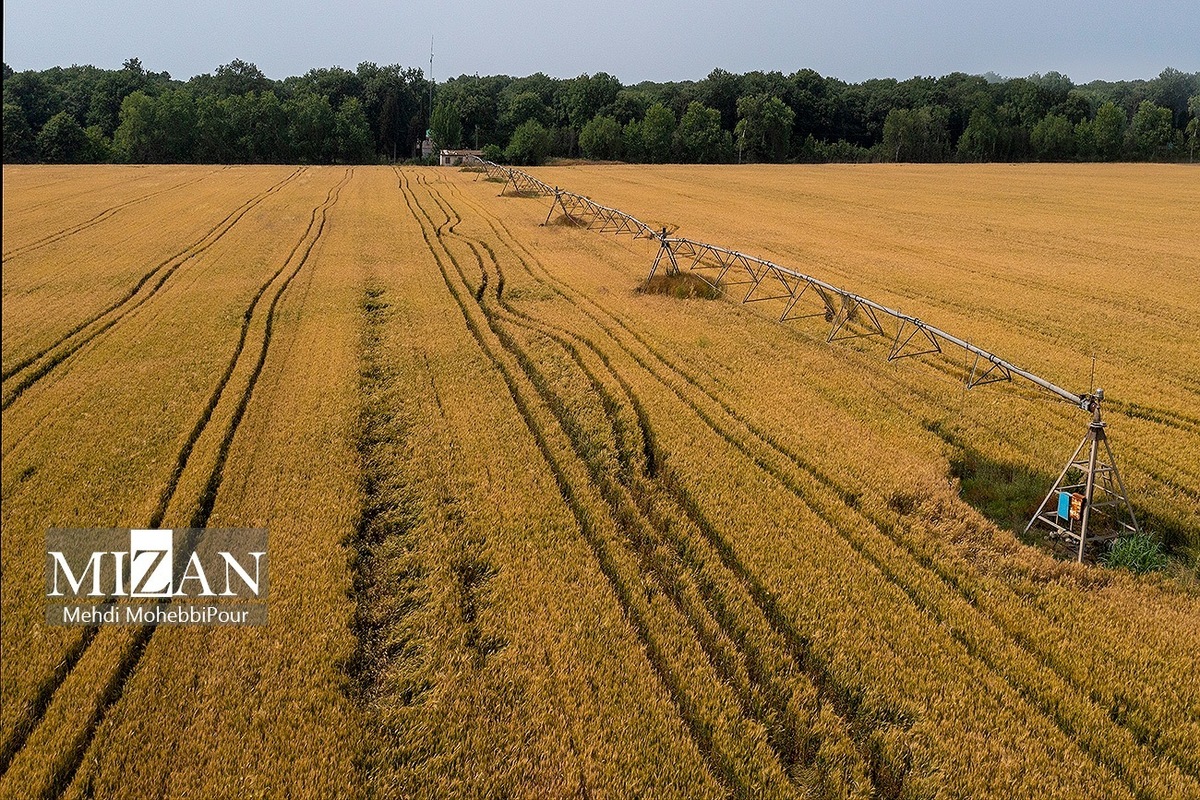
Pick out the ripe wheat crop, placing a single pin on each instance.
(535, 533)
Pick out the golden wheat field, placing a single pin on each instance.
(537, 534)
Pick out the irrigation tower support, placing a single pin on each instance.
(1085, 504)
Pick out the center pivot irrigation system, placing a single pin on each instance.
(1088, 502)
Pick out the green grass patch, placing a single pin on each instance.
(1139, 553)
(1009, 495)
(1004, 493)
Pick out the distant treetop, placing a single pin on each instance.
(375, 114)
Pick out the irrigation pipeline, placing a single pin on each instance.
(598, 217)
(522, 182)
(840, 307)
(795, 284)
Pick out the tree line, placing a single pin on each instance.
(83, 114)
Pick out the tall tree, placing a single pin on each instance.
(601, 138)
(589, 95)
(34, 95)
(446, 127)
(477, 100)
(138, 137)
(1193, 126)
(981, 137)
(630, 104)
(1172, 89)
(61, 140)
(764, 130)
(240, 111)
(353, 133)
(720, 91)
(700, 137)
(1151, 132)
(1108, 131)
(20, 144)
(530, 144)
(175, 116)
(916, 135)
(657, 134)
(391, 102)
(214, 140)
(239, 77)
(811, 102)
(98, 149)
(1076, 107)
(335, 83)
(312, 128)
(521, 108)
(1053, 138)
(104, 107)
(268, 123)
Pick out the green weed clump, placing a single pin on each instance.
(1139, 553)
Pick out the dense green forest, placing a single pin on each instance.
(377, 114)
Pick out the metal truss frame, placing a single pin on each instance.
(852, 316)
(522, 182)
(587, 213)
(494, 171)
(849, 315)
(1104, 500)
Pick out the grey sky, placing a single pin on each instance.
(648, 40)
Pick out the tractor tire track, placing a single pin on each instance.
(924, 561)
(46, 691)
(68, 179)
(747, 645)
(199, 519)
(96, 220)
(65, 771)
(238, 212)
(763, 597)
(73, 340)
(977, 600)
(719, 766)
(958, 371)
(989, 603)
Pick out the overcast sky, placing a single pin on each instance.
(656, 40)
